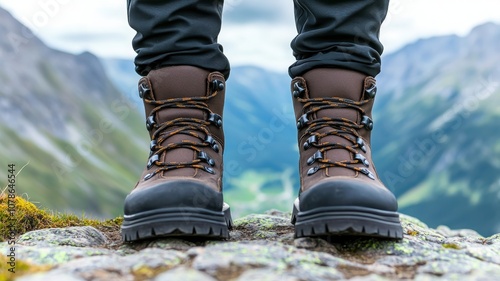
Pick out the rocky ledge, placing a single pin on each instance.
(261, 248)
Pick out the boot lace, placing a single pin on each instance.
(194, 127)
(318, 128)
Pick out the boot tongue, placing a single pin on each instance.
(178, 82)
(338, 83)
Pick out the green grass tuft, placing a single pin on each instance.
(28, 217)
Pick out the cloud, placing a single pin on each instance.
(258, 32)
(258, 44)
(77, 26)
(258, 11)
(409, 20)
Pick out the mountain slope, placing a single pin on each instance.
(437, 131)
(62, 115)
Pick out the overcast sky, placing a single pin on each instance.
(254, 32)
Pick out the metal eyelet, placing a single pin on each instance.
(215, 147)
(143, 90)
(152, 145)
(302, 121)
(317, 155)
(213, 144)
(148, 176)
(313, 170)
(367, 122)
(215, 119)
(362, 159)
(311, 140)
(361, 144)
(367, 173)
(204, 156)
(209, 170)
(298, 90)
(371, 92)
(217, 85)
(152, 160)
(150, 122)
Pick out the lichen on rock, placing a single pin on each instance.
(78, 236)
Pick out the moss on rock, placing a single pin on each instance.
(21, 216)
(8, 272)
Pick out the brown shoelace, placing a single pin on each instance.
(320, 128)
(194, 127)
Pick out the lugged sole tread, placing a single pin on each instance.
(345, 223)
(185, 224)
(209, 231)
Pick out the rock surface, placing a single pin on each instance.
(262, 247)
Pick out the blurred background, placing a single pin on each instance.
(70, 114)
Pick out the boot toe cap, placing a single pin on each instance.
(347, 193)
(174, 194)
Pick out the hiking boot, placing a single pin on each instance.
(180, 190)
(340, 192)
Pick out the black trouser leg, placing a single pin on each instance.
(338, 34)
(177, 32)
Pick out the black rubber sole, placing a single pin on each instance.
(188, 222)
(347, 221)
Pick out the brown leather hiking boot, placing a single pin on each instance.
(180, 190)
(340, 192)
